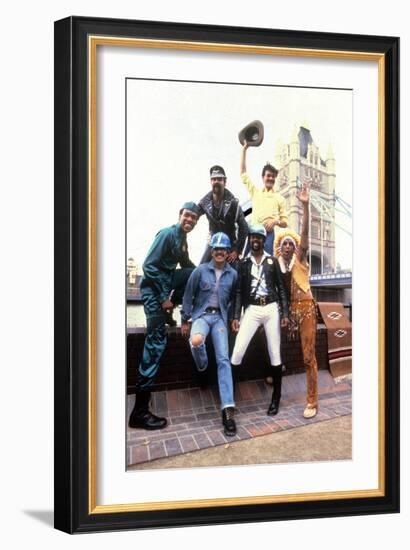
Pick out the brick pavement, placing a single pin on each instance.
(194, 417)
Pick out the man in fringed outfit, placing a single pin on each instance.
(291, 250)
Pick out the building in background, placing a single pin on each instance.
(299, 162)
(133, 280)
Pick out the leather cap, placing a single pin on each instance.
(252, 133)
(217, 172)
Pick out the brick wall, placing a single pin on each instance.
(177, 366)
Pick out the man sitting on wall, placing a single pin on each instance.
(160, 282)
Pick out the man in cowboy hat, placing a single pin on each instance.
(224, 214)
(268, 206)
(260, 291)
(161, 280)
(291, 250)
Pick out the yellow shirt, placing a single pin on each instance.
(266, 205)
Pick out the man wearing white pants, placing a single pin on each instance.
(261, 292)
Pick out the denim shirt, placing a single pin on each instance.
(199, 289)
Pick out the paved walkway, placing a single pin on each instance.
(195, 418)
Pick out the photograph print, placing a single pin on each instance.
(238, 274)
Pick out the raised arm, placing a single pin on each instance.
(243, 158)
(304, 198)
(244, 175)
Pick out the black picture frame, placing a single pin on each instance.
(74, 220)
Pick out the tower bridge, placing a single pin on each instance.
(300, 162)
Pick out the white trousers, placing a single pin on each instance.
(253, 318)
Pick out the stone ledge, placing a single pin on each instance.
(177, 367)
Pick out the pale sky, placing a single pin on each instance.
(177, 130)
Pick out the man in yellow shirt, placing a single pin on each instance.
(268, 206)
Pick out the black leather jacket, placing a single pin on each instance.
(226, 219)
(274, 283)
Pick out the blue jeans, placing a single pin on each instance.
(214, 324)
(270, 237)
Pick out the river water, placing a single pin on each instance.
(136, 316)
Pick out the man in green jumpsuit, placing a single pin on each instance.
(162, 287)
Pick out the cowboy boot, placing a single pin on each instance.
(277, 390)
(141, 417)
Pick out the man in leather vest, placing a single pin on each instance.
(261, 292)
(224, 214)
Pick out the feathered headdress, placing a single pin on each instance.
(286, 234)
(281, 236)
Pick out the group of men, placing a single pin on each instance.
(268, 286)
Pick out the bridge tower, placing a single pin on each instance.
(300, 161)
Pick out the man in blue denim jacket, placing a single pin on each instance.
(207, 300)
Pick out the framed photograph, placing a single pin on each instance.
(162, 130)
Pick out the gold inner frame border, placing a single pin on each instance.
(93, 43)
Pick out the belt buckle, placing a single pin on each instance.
(262, 300)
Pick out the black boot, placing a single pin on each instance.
(228, 421)
(277, 390)
(141, 417)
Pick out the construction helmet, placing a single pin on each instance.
(257, 229)
(220, 240)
